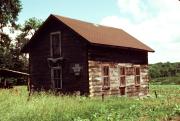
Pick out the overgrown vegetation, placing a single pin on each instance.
(47, 107)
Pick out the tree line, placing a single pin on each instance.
(164, 69)
(10, 55)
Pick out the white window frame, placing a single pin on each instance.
(54, 33)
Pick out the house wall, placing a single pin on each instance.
(106, 53)
(99, 55)
(73, 52)
(96, 82)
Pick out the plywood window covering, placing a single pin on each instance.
(122, 76)
(105, 77)
(55, 38)
(137, 76)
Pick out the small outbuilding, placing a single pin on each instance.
(7, 74)
(70, 55)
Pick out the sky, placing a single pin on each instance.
(154, 22)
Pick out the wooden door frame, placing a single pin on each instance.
(52, 77)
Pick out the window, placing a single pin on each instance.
(137, 76)
(55, 44)
(57, 77)
(105, 76)
(122, 80)
(122, 77)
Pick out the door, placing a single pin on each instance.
(56, 77)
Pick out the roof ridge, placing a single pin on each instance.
(86, 22)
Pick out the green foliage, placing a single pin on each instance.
(47, 107)
(164, 69)
(10, 56)
(9, 11)
(166, 80)
(28, 29)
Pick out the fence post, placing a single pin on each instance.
(102, 96)
(156, 95)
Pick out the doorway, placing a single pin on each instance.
(56, 77)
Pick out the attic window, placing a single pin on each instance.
(105, 77)
(55, 38)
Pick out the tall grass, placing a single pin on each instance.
(175, 80)
(15, 106)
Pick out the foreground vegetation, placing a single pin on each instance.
(15, 106)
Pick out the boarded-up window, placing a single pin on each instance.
(56, 44)
(122, 77)
(137, 76)
(105, 77)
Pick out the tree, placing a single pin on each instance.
(20, 61)
(163, 69)
(9, 11)
(10, 56)
(27, 30)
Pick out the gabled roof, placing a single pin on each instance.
(104, 35)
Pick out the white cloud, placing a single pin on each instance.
(154, 22)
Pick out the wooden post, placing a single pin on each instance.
(102, 96)
(155, 94)
(28, 88)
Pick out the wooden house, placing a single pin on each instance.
(70, 55)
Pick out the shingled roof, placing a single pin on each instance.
(99, 34)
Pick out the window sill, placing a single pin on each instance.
(122, 87)
(105, 88)
(129, 85)
(137, 85)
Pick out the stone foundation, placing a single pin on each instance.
(131, 89)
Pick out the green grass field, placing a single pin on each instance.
(175, 80)
(46, 107)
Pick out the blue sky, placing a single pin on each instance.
(88, 10)
(154, 22)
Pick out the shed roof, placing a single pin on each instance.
(11, 73)
(98, 34)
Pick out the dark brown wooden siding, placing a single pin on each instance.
(116, 54)
(73, 52)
